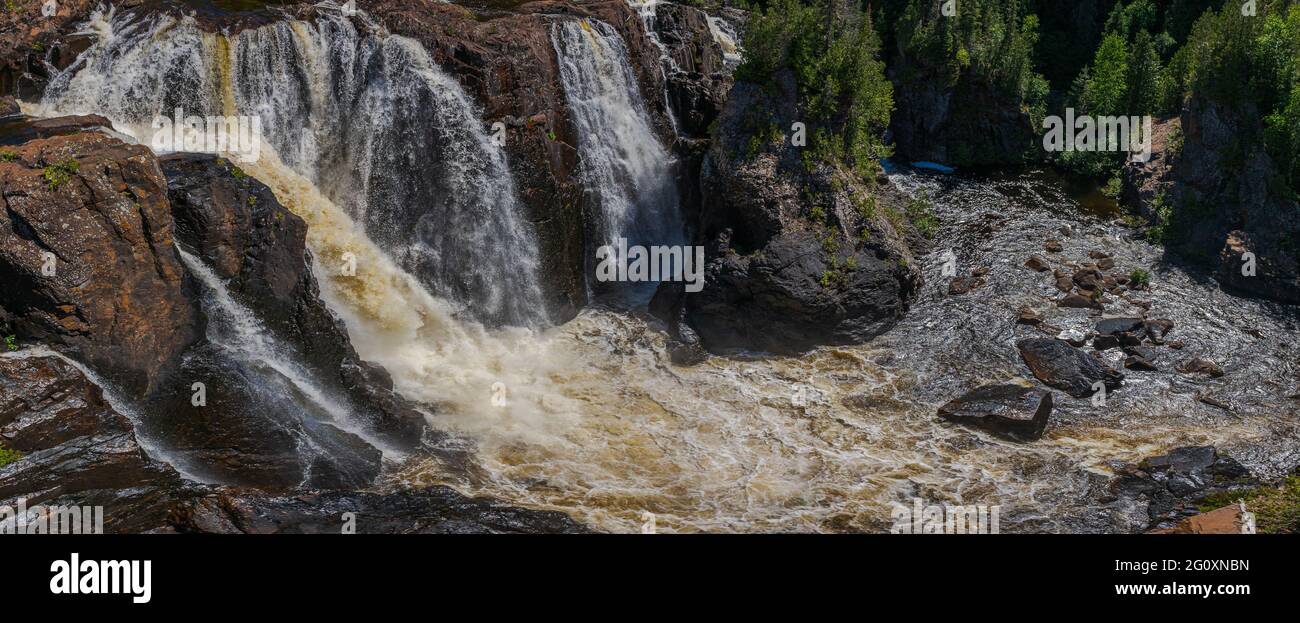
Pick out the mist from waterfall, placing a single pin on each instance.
(368, 117)
(625, 168)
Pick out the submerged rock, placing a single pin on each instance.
(1018, 412)
(1171, 485)
(1067, 368)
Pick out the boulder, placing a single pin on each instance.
(1067, 368)
(1037, 263)
(88, 258)
(1018, 412)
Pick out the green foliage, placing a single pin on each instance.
(1252, 64)
(8, 456)
(832, 51)
(59, 173)
(7, 155)
(1139, 279)
(1276, 509)
(11, 342)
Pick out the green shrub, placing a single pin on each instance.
(8, 456)
(1140, 278)
(1276, 509)
(11, 342)
(59, 173)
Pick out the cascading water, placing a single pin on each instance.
(593, 419)
(624, 166)
(369, 118)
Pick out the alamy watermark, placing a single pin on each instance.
(237, 135)
(1106, 133)
(621, 262)
(39, 519)
(944, 519)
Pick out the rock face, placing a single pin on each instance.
(235, 224)
(783, 276)
(1018, 412)
(697, 77)
(76, 448)
(1172, 484)
(1067, 368)
(1221, 204)
(31, 43)
(1226, 520)
(87, 256)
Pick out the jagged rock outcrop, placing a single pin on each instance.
(785, 274)
(1216, 201)
(87, 256)
(237, 226)
(31, 42)
(1170, 486)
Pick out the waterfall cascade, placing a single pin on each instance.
(624, 166)
(367, 117)
(591, 417)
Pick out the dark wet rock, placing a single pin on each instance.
(1053, 246)
(1018, 412)
(1098, 255)
(1114, 326)
(236, 226)
(684, 347)
(1106, 342)
(1173, 484)
(697, 78)
(8, 106)
(75, 446)
(1067, 368)
(254, 429)
(435, 510)
(1105, 263)
(1213, 401)
(1197, 365)
(79, 451)
(94, 210)
(1157, 329)
(1037, 263)
(779, 279)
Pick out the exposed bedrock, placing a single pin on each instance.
(783, 275)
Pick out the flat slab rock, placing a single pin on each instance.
(1008, 410)
(1067, 368)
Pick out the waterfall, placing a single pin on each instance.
(369, 118)
(624, 166)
